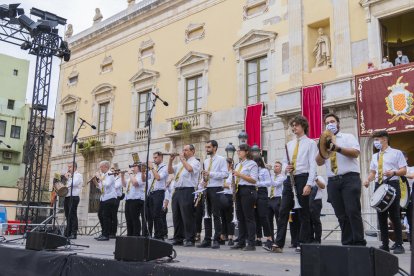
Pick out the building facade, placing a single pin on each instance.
(14, 117)
(209, 59)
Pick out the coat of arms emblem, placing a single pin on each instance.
(399, 102)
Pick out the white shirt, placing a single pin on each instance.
(319, 193)
(108, 184)
(118, 186)
(410, 170)
(218, 171)
(345, 164)
(277, 182)
(159, 184)
(229, 191)
(169, 191)
(264, 178)
(77, 184)
(249, 168)
(305, 161)
(187, 179)
(135, 192)
(393, 160)
(386, 64)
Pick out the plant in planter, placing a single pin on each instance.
(181, 125)
(89, 146)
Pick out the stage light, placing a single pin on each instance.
(26, 45)
(48, 16)
(64, 51)
(27, 23)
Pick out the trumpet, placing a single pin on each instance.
(116, 172)
(173, 154)
(93, 179)
(138, 164)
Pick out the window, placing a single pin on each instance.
(5, 168)
(193, 94)
(144, 102)
(103, 117)
(10, 104)
(256, 80)
(15, 132)
(3, 125)
(70, 124)
(15, 72)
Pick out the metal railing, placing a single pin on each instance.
(106, 138)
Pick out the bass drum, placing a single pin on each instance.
(383, 197)
(405, 193)
(61, 189)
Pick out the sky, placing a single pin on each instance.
(79, 13)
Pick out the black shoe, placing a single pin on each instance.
(204, 244)
(259, 243)
(98, 237)
(72, 237)
(216, 245)
(166, 237)
(393, 246)
(230, 242)
(112, 236)
(268, 245)
(399, 249)
(189, 244)
(237, 246)
(222, 242)
(175, 242)
(249, 248)
(297, 250)
(236, 240)
(198, 237)
(103, 238)
(385, 248)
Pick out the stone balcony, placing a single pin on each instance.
(141, 134)
(107, 139)
(199, 122)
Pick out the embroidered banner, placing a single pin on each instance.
(253, 124)
(385, 100)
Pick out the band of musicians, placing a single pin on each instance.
(241, 201)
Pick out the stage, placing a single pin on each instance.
(99, 258)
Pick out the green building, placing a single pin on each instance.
(14, 117)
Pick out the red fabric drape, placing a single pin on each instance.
(312, 109)
(253, 124)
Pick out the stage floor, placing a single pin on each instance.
(259, 262)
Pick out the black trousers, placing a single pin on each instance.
(72, 218)
(213, 209)
(394, 214)
(274, 207)
(344, 193)
(105, 213)
(245, 201)
(164, 222)
(133, 211)
(262, 214)
(226, 213)
(294, 228)
(287, 205)
(183, 214)
(199, 213)
(155, 203)
(315, 207)
(114, 218)
(409, 214)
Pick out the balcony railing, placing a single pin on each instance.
(141, 134)
(107, 139)
(199, 122)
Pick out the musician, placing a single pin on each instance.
(302, 152)
(315, 207)
(186, 175)
(72, 200)
(118, 190)
(134, 199)
(167, 199)
(105, 183)
(246, 174)
(262, 205)
(214, 174)
(199, 208)
(409, 210)
(344, 182)
(226, 207)
(156, 193)
(385, 168)
(275, 195)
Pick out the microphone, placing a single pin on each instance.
(158, 97)
(8, 146)
(92, 126)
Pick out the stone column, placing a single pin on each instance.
(295, 17)
(342, 38)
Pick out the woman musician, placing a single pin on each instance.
(227, 208)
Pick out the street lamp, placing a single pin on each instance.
(255, 150)
(243, 137)
(230, 150)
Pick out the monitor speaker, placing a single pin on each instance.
(141, 249)
(44, 241)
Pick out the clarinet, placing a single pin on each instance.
(205, 181)
(233, 187)
(292, 182)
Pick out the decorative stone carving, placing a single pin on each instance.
(106, 65)
(322, 51)
(130, 2)
(69, 32)
(254, 8)
(70, 103)
(194, 31)
(98, 16)
(146, 50)
(73, 77)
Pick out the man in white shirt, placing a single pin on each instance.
(344, 182)
(302, 165)
(118, 189)
(72, 200)
(275, 195)
(214, 174)
(156, 194)
(409, 209)
(401, 59)
(386, 167)
(186, 175)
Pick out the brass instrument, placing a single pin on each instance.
(292, 182)
(324, 144)
(173, 154)
(118, 171)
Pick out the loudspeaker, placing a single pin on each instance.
(346, 260)
(141, 249)
(42, 240)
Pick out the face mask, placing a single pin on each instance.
(377, 145)
(332, 127)
(384, 60)
(399, 55)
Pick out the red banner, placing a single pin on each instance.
(253, 124)
(312, 109)
(385, 101)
